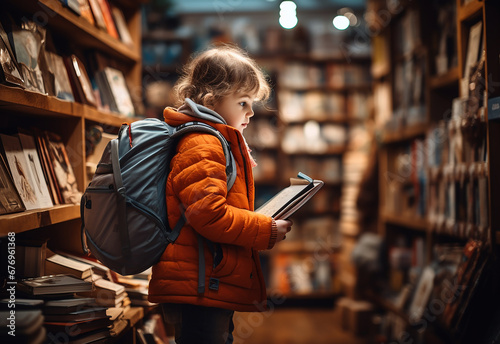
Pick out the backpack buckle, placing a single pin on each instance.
(213, 284)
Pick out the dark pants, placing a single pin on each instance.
(198, 324)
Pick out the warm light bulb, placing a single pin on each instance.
(341, 22)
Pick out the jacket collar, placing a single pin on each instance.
(190, 111)
(199, 111)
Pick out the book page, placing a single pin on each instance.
(289, 200)
(281, 199)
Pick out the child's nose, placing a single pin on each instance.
(250, 113)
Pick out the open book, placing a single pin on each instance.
(292, 198)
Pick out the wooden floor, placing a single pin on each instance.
(293, 326)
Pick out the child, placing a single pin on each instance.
(219, 88)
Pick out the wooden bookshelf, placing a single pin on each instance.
(452, 172)
(24, 109)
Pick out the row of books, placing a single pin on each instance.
(407, 32)
(409, 92)
(31, 61)
(36, 171)
(300, 75)
(104, 15)
(442, 178)
(458, 201)
(455, 142)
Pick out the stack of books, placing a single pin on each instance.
(80, 319)
(108, 294)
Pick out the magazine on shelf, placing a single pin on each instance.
(292, 198)
(19, 169)
(10, 200)
(9, 69)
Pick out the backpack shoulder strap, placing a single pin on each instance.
(202, 127)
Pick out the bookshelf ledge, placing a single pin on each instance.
(448, 79)
(32, 102)
(419, 224)
(31, 219)
(405, 133)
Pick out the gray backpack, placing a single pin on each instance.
(123, 209)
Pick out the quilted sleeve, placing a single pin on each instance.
(199, 181)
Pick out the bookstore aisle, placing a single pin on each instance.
(295, 326)
(393, 104)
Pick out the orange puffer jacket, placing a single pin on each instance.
(197, 183)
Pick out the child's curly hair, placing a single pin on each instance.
(218, 72)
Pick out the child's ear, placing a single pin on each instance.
(209, 100)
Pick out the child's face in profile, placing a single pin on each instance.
(236, 109)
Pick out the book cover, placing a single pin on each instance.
(53, 284)
(47, 167)
(119, 91)
(35, 169)
(10, 73)
(85, 11)
(98, 16)
(10, 200)
(97, 267)
(28, 44)
(58, 264)
(289, 200)
(58, 73)
(80, 81)
(63, 306)
(85, 314)
(108, 18)
(20, 172)
(62, 169)
(121, 26)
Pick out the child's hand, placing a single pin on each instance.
(284, 226)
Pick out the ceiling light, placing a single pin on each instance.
(288, 6)
(341, 22)
(288, 22)
(288, 15)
